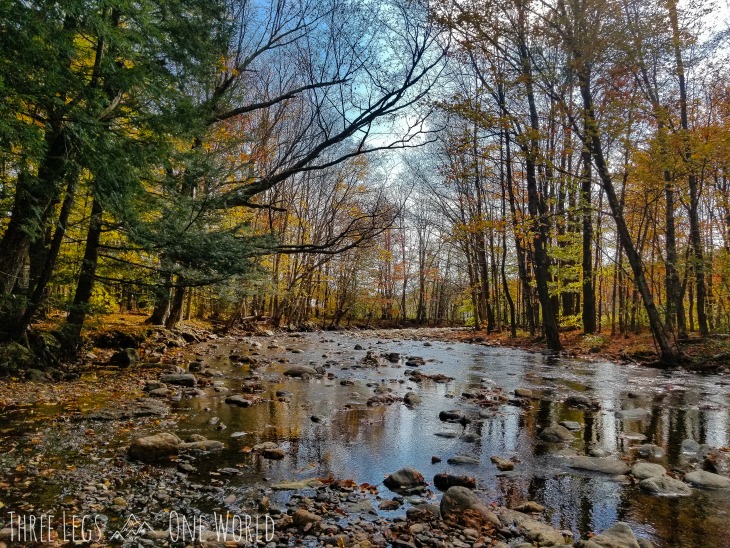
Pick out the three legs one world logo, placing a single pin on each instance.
(132, 529)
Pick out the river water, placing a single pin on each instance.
(364, 443)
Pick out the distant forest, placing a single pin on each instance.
(516, 166)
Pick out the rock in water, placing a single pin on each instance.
(523, 392)
(405, 478)
(462, 459)
(445, 481)
(707, 480)
(619, 535)
(556, 434)
(458, 501)
(158, 446)
(533, 530)
(180, 379)
(598, 464)
(502, 464)
(300, 371)
(644, 470)
(411, 398)
(664, 486)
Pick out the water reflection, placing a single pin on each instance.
(365, 443)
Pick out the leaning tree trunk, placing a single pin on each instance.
(668, 353)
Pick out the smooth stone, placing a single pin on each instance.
(411, 398)
(664, 486)
(150, 448)
(179, 379)
(462, 459)
(572, 425)
(614, 467)
(405, 478)
(300, 371)
(644, 470)
(707, 480)
(523, 392)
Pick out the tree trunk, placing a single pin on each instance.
(669, 355)
(535, 201)
(85, 284)
(694, 225)
(589, 294)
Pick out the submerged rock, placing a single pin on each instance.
(602, 465)
(556, 434)
(619, 535)
(707, 480)
(502, 464)
(664, 486)
(637, 414)
(650, 451)
(573, 426)
(462, 459)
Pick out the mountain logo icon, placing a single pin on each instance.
(132, 529)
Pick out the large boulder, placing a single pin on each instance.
(405, 478)
(707, 480)
(459, 503)
(155, 447)
(664, 486)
